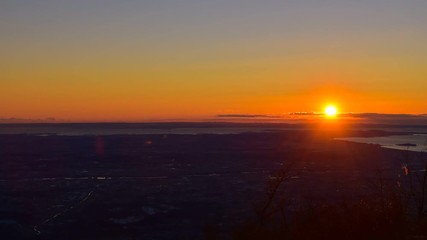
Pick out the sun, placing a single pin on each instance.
(331, 111)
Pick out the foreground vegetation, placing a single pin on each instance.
(388, 210)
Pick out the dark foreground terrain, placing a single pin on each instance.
(173, 186)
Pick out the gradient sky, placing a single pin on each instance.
(129, 60)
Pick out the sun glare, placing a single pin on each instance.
(331, 111)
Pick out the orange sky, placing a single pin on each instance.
(122, 62)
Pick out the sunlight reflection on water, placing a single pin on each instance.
(414, 142)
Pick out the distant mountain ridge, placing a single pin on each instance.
(27, 120)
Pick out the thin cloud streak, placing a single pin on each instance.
(380, 118)
(247, 116)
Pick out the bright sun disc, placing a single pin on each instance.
(331, 111)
